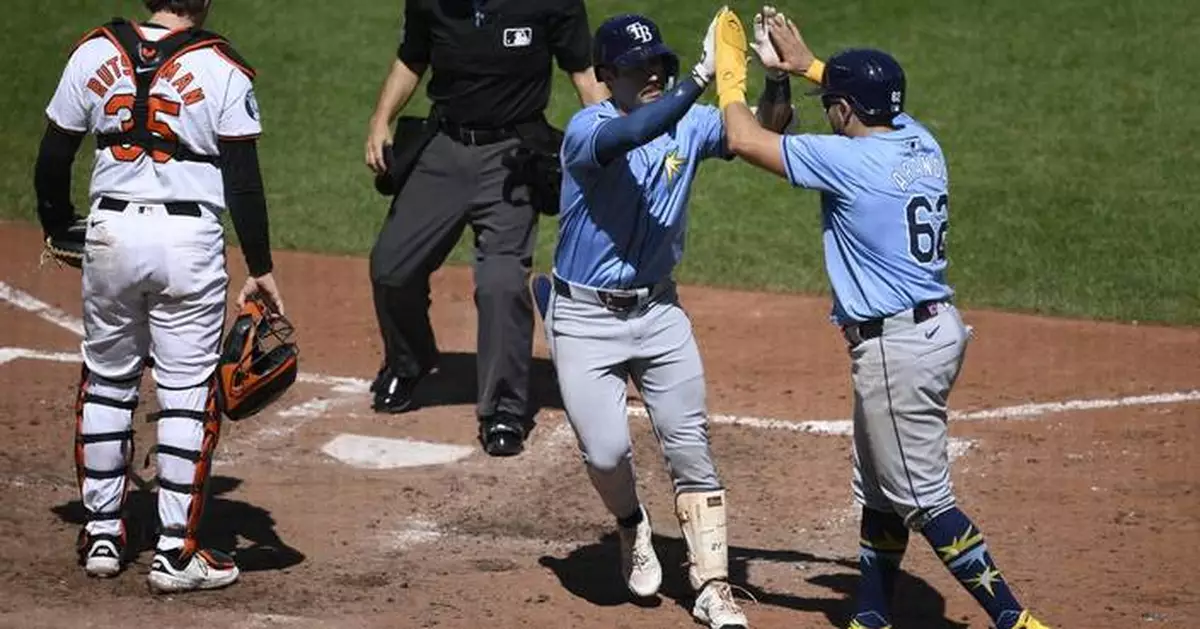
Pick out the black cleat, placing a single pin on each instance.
(394, 395)
(502, 434)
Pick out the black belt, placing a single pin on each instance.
(174, 208)
(622, 301)
(856, 333)
(476, 137)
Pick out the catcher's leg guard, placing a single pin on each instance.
(103, 451)
(188, 428)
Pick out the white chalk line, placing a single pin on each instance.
(348, 385)
(41, 309)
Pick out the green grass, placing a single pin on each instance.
(1067, 126)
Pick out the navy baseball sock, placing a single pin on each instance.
(883, 540)
(960, 545)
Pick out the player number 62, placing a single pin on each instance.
(928, 222)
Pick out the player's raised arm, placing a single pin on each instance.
(775, 109)
(784, 51)
(637, 77)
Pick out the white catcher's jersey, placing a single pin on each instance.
(207, 97)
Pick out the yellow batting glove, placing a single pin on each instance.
(730, 59)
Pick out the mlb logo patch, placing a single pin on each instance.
(518, 37)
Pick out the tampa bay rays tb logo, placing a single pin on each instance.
(640, 32)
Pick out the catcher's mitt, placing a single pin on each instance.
(66, 247)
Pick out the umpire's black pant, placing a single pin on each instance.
(453, 185)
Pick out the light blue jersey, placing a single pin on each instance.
(885, 215)
(622, 224)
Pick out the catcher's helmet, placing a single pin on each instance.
(629, 41)
(258, 363)
(870, 80)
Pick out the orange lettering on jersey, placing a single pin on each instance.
(97, 87)
(194, 96)
(117, 104)
(167, 73)
(182, 82)
(116, 67)
(105, 75)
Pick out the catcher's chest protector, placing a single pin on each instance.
(151, 61)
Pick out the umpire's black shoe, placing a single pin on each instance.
(502, 434)
(393, 394)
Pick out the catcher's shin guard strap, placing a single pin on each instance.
(177, 412)
(104, 449)
(188, 430)
(702, 520)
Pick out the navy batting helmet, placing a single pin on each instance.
(629, 41)
(870, 80)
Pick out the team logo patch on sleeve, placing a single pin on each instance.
(251, 105)
(518, 37)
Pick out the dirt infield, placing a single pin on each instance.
(1092, 508)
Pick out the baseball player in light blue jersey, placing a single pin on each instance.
(613, 313)
(885, 211)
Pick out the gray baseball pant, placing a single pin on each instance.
(595, 350)
(902, 381)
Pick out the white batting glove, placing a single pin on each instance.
(706, 68)
(762, 44)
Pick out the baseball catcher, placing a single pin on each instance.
(175, 120)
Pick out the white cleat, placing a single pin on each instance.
(716, 608)
(204, 570)
(102, 557)
(639, 563)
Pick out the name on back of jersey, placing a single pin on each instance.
(117, 66)
(919, 167)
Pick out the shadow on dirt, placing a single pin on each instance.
(455, 382)
(225, 521)
(592, 573)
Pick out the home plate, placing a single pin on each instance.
(380, 453)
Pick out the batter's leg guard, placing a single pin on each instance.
(702, 518)
(189, 425)
(103, 453)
